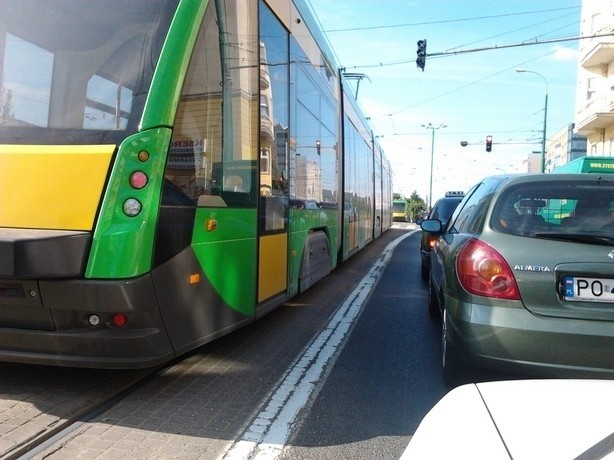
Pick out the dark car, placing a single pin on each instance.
(523, 276)
(422, 215)
(443, 209)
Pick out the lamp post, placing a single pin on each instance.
(432, 128)
(543, 159)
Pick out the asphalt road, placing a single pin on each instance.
(386, 377)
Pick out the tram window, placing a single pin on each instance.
(314, 128)
(107, 104)
(69, 80)
(214, 145)
(274, 134)
(26, 83)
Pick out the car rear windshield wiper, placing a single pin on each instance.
(599, 450)
(577, 237)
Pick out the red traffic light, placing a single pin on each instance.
(488, 143)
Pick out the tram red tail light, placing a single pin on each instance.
(138, 179)
(120, 320)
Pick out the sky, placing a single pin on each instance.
(471, 94)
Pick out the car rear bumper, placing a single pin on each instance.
(513, 339)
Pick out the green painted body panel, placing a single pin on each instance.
(163, 97)
(228, 254)
(122, 246)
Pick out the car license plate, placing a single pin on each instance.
(588, 289)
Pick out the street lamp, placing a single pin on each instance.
(432, 128)
(543, 159)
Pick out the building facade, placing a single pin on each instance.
(564, 146)
(594, 116)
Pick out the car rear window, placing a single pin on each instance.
(444, 209)
(565, 207)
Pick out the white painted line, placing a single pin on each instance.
(271, 427)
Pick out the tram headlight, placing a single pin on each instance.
(132, 207)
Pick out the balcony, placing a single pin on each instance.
(600, 56)
(598, 113)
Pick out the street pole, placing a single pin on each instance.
(543, 159)
(543, 166)
(431, 176)
(432, 128)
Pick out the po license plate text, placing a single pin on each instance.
(588, 289)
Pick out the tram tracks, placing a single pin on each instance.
(38, 403)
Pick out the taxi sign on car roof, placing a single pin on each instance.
(455, 193)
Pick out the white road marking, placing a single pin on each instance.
(270, 429)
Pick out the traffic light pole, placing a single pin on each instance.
(543, 159)
(432, 128)
(543, 162)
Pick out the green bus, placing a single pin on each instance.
(170, 170)
(587, 164)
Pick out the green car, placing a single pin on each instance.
(523, 277)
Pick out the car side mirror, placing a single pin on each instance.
(431, 225)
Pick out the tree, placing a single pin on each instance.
(416, 205)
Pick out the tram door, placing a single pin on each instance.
(274, 166)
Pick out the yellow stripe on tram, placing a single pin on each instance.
(273, 265)
(52, 186)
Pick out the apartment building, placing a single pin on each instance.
(594, 116)
(564, 146)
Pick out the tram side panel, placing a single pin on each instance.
(188, 220)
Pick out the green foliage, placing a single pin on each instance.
(416, 205)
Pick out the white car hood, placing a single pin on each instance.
(521, 419)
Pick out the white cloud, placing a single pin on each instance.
(563, 53)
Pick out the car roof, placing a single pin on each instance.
(448, 198)
(541, 177)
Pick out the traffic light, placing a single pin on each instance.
(488, 143)
(421, 54)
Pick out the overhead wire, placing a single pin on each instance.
(445, 21)
(451, 50)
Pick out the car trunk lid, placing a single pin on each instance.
(564, 279)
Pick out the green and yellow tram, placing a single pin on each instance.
(170, 170)
(400, 211)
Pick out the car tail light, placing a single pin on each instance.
(432, 239)
(483, 271)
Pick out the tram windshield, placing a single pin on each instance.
(77, 71)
